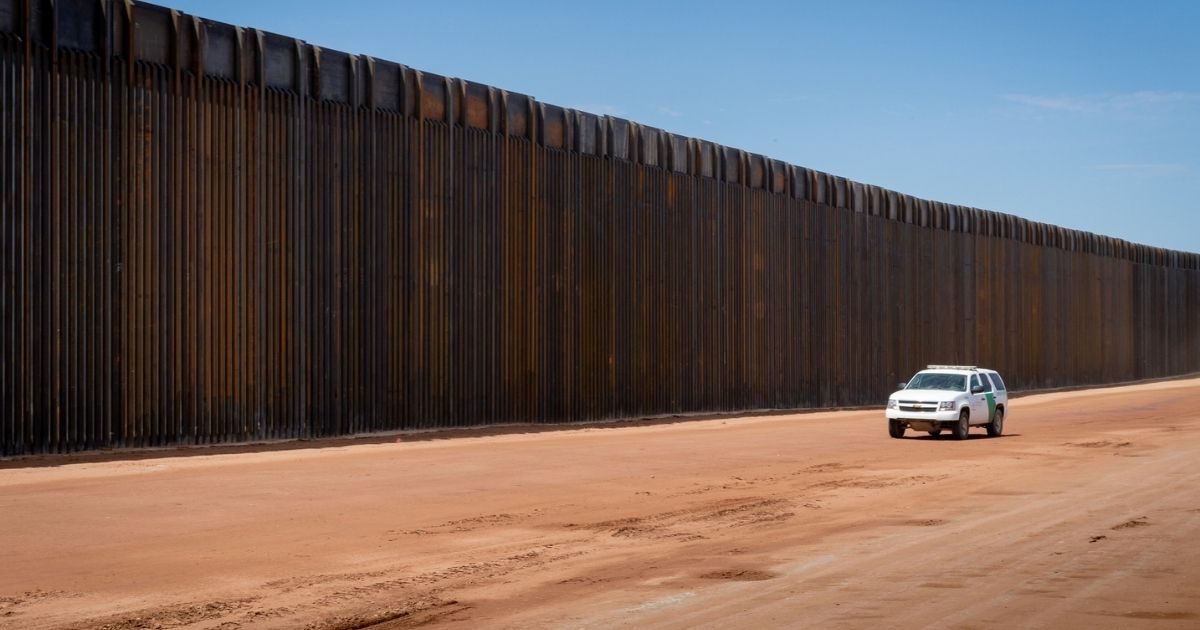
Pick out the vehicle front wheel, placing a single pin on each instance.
(896, 428)
(996, 427)
(963, 428)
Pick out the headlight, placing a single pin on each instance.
(946, 406)
(891, 403)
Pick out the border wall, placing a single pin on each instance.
(216, 234)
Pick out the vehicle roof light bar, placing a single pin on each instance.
(951, 367)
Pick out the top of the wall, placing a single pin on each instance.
(136, 32)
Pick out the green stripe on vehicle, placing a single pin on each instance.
(991, 398)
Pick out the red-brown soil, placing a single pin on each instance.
(1086, 515)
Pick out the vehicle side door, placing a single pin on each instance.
(989, 397)
(978, 401)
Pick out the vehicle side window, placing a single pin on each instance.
(987, 383)
(999, 381)
(975, 381)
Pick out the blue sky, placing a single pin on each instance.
(1083, 114)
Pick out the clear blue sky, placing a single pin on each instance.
(1083, 114)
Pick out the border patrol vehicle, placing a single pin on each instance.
(956, 397)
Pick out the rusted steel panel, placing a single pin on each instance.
(841, 192)
(649, 144)
(876, 201)
(756, 171)
(433, 102)
(589, 137)
(678, 158)
(553, 126)
(212, 234)
(732, 164)
(706, 162)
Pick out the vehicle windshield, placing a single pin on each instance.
(935, 380)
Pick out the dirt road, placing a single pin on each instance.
(1086, 514)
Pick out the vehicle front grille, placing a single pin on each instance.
(918, 405)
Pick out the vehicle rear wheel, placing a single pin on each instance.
(963, 428)
(935, 432)
(896, 428)
(996, 427)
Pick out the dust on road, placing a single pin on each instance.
(1087, 513)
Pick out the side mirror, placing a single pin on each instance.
(901, 385)
(978, 389)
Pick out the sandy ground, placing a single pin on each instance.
(1086, 514)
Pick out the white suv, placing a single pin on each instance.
(955, 395)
